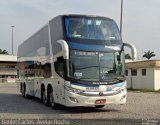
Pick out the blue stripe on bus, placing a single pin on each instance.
(95, 85)
(79, 46)
(84, 85)
(119, 84)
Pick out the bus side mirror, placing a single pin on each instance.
(65, 48)
(133, 50)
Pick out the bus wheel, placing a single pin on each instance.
(52, 102)
(44, 98)
(24, 94)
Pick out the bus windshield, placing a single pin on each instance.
(91, 28)
(96, 66)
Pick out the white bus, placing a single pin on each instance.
(74, 60)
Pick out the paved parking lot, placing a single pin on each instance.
(142, 108)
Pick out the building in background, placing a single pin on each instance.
(8, 71)
(143, 75)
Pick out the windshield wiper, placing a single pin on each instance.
(83, 78)
(115, 80)
(85, 67)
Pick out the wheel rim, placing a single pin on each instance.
(52, 99)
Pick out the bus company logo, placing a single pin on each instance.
(101, 93)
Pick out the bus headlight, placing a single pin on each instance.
(77, 91)
(121, 89)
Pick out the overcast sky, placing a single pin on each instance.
(141, 19)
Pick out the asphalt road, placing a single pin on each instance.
(141, 108)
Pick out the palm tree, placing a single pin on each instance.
(3, 52)
(127, 56)
(149, 54)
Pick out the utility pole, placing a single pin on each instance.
(121, 17)
(12, 38)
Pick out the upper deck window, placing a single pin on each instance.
(92, 28)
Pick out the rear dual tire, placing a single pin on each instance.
(52, 102)
(48, 99)
(44, 98)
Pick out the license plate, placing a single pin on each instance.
(92, 89)
(100, 101)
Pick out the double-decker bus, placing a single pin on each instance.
(74, 60)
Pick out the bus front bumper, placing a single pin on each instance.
(92, 99)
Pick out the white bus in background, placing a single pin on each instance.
(75, 60)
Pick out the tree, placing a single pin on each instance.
(149, 54)
(127, 56)
(3, 52)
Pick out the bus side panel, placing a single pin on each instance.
(58, 89)
(34, 59)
